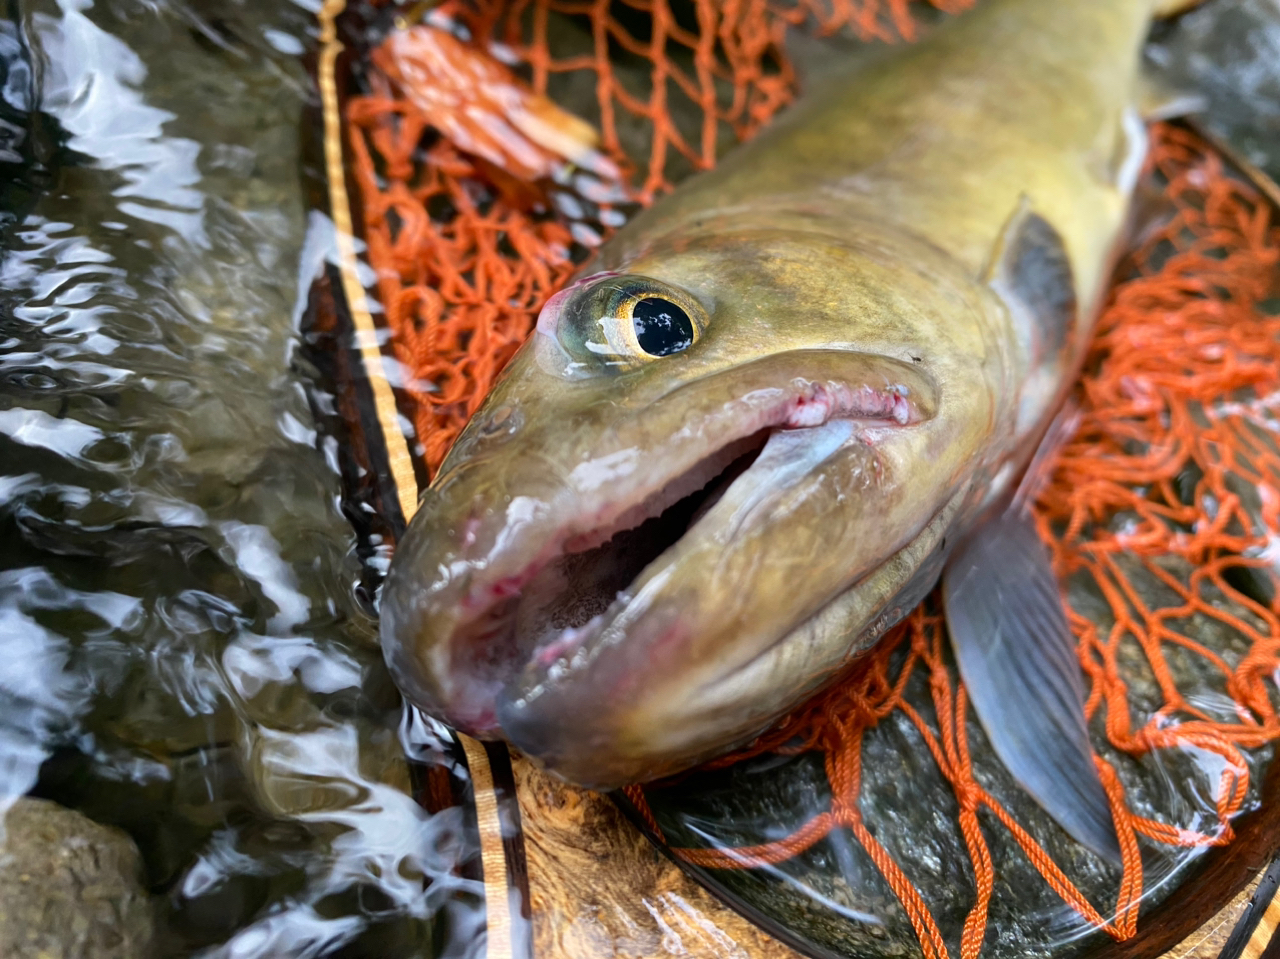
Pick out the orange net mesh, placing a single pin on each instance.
(1165, 504)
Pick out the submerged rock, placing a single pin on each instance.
(1226, 53)
(69, 887)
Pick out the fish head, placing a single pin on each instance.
(692, 498)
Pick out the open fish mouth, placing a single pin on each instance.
(559, 602)
(564, 602)
(559, 593)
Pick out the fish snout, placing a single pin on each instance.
(452, 576)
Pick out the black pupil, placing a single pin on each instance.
(662, 328)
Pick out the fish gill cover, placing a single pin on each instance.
(1162, 511)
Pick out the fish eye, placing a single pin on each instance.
(662, 326)
(623, 320)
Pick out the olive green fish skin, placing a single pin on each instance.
(852, 266)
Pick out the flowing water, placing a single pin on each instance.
(186, 654)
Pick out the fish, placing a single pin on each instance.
(779, 407)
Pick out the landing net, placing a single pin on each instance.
(1164, 506)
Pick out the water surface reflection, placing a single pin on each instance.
(186, 654)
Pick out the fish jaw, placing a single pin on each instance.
(764, 601)
(473, 621)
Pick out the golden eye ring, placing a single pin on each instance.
(619, 321)
(650, 324)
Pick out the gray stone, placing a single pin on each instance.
(1226, 53)
(69, 887)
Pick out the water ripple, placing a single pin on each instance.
(191, 661)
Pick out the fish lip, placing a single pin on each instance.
(557, 745)
(801, 401)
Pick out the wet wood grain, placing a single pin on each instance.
(599, 888)
(1208, 941)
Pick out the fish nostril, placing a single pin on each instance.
(503, 421)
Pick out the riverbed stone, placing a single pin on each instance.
(70, 888)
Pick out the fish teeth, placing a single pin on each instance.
(808, 414)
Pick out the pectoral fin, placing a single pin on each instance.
(1018, 661)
